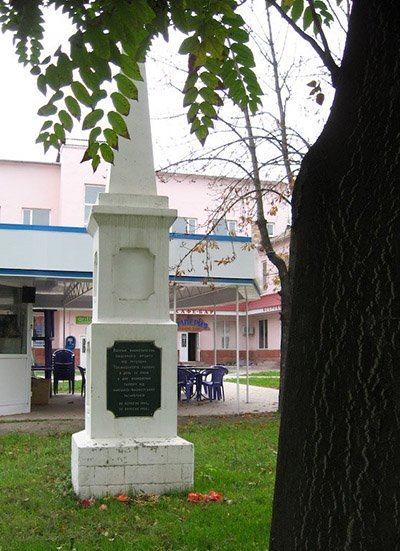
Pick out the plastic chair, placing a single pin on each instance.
(215, 387)
(185, 382)
(64, 369)
(82, 371)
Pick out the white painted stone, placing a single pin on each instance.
(129, 226)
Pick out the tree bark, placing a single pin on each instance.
(338, 472)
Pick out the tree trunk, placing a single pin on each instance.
(338, 472)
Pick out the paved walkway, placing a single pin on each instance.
(68, 409)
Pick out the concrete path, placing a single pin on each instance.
(66, 411)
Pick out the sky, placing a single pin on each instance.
(20, 100)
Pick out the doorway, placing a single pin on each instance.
(189, 347)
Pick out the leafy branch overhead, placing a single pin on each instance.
(111, 39)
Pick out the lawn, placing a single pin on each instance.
(237, 458)
(268, 379)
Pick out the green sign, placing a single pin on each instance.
(83, 320)
(133, 379)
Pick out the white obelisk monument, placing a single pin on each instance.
(130, 443)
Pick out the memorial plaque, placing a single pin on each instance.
(133, 379)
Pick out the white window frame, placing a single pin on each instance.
(190, 224)
(263, 334)
(271, 229)
(101, 189)
(30, 212)
(229, 229)
(225, 333)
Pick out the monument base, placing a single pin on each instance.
(130, 466)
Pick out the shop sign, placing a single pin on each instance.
(272, 309)
(192, 324)
(195, 312)
(83, 320)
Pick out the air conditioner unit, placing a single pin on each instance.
(249, 332)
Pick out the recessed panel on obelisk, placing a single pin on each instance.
(133, 379)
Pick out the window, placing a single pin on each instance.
(13, 318)
(227, 340)
(184, 225)
(225, 227)
(36, 217)
(265, 276)
(263, 334)
(91, 194)
(271, 229)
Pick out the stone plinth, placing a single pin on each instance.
(130, 466)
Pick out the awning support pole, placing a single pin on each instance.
(247, 346)
(237, 352)
(215, 333)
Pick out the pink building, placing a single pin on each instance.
(44, 245)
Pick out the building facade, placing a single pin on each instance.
(54, 200)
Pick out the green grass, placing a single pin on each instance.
(40, 511)
(256, 379)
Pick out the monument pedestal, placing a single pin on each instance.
(130, 466)
(129, 445)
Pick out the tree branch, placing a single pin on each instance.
(325, 56)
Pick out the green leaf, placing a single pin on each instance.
(201, 134)
(101, 67)
(90, 78)
(121, 104)
(95, 162)
(90, 152)
(53, 77)
(46, 125)
(210, 80)
(107, 153)
(96, 97)
(308, 18)
(193, 110)
(94, 134)
(210, 96)
(190, 45)
(297, 9)
(42, 84)
(126, 86)
(195, 126)
(81, 93)
(35, 70)
(238, 35)
(99, 41)
(118, 124)
(244, 54)
(59, 132)
(207, 122)
(42, 137)
(130, 67)
(111, 137)
(57, 96)
(92, 119)
(73, 107)
(64, 67)
(66, 120)
(46, 110)
(208, 110)
(190, 96)
(190, 82)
